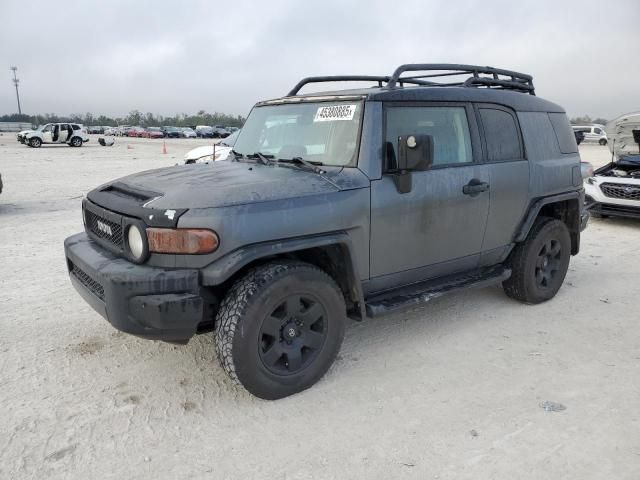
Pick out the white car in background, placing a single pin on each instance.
(189, 133)
(592, 133)
(211, 153)
(73, 134)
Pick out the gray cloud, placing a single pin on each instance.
(171, 57)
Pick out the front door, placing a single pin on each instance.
(47, 134)
(437, 228)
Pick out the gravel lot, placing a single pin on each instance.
(449, 391)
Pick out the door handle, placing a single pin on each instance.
(474, 187)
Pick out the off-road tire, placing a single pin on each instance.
(244, 312)
(35, 142)
(526, 264)
(75, 142)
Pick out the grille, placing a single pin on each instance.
(93, 286)
(103, 228)
(621, 190)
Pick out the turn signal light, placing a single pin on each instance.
(182, 240)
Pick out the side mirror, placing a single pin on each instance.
(415, 153)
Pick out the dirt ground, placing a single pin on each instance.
(449, 391)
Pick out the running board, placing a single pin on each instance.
(403, 298)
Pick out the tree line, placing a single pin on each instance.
(587, 120)
(134, 118)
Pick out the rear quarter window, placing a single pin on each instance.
(564, 133)
(502, 135)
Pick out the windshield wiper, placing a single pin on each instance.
(236, 155)
(264, 159)
(313, 166)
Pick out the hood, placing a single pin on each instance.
(207, 150)
(620, 134)
(222, 184)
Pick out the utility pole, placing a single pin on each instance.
(16, 81)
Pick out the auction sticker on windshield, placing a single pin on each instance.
(335, 112)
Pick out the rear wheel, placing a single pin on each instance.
(35, 142)
(279, 328)
(76, 142)
(539, 265)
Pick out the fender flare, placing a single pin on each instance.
(223, 268)
(536, 206)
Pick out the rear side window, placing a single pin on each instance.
(564, 133)
(447, 125)
(501, 135)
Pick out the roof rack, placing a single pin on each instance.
(516, 81)
(352, 78)
(487, 77)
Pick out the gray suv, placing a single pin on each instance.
(342, 204)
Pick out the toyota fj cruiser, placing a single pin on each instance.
(344, 204)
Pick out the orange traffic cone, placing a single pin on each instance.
(164, 148)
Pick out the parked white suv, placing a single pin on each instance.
(72, 134)
(592, 133)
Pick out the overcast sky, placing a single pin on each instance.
(183, 56)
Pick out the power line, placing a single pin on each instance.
(16, 81)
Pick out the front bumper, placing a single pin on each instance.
(148, 302)
(598, 203)
(613, 210)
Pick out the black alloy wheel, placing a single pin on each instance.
(292, 334)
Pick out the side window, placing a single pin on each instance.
(447, 125)
(501, 135)
(47, 128)
(564, 133)
(75, 127)
(597, 131)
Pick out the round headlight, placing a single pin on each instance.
(136, 242)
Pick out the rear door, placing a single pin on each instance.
(63, 134)
(436, 228)
(504, 156)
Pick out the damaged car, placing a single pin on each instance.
(343, 204)
(211, 153)
(72, 134)
(614, 189)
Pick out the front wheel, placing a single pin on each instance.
(602, 141)
(539, 265)
(35, 142)
(76, 142)
(280, 328)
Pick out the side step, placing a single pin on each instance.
(409, 296)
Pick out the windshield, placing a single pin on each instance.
(324, 132)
